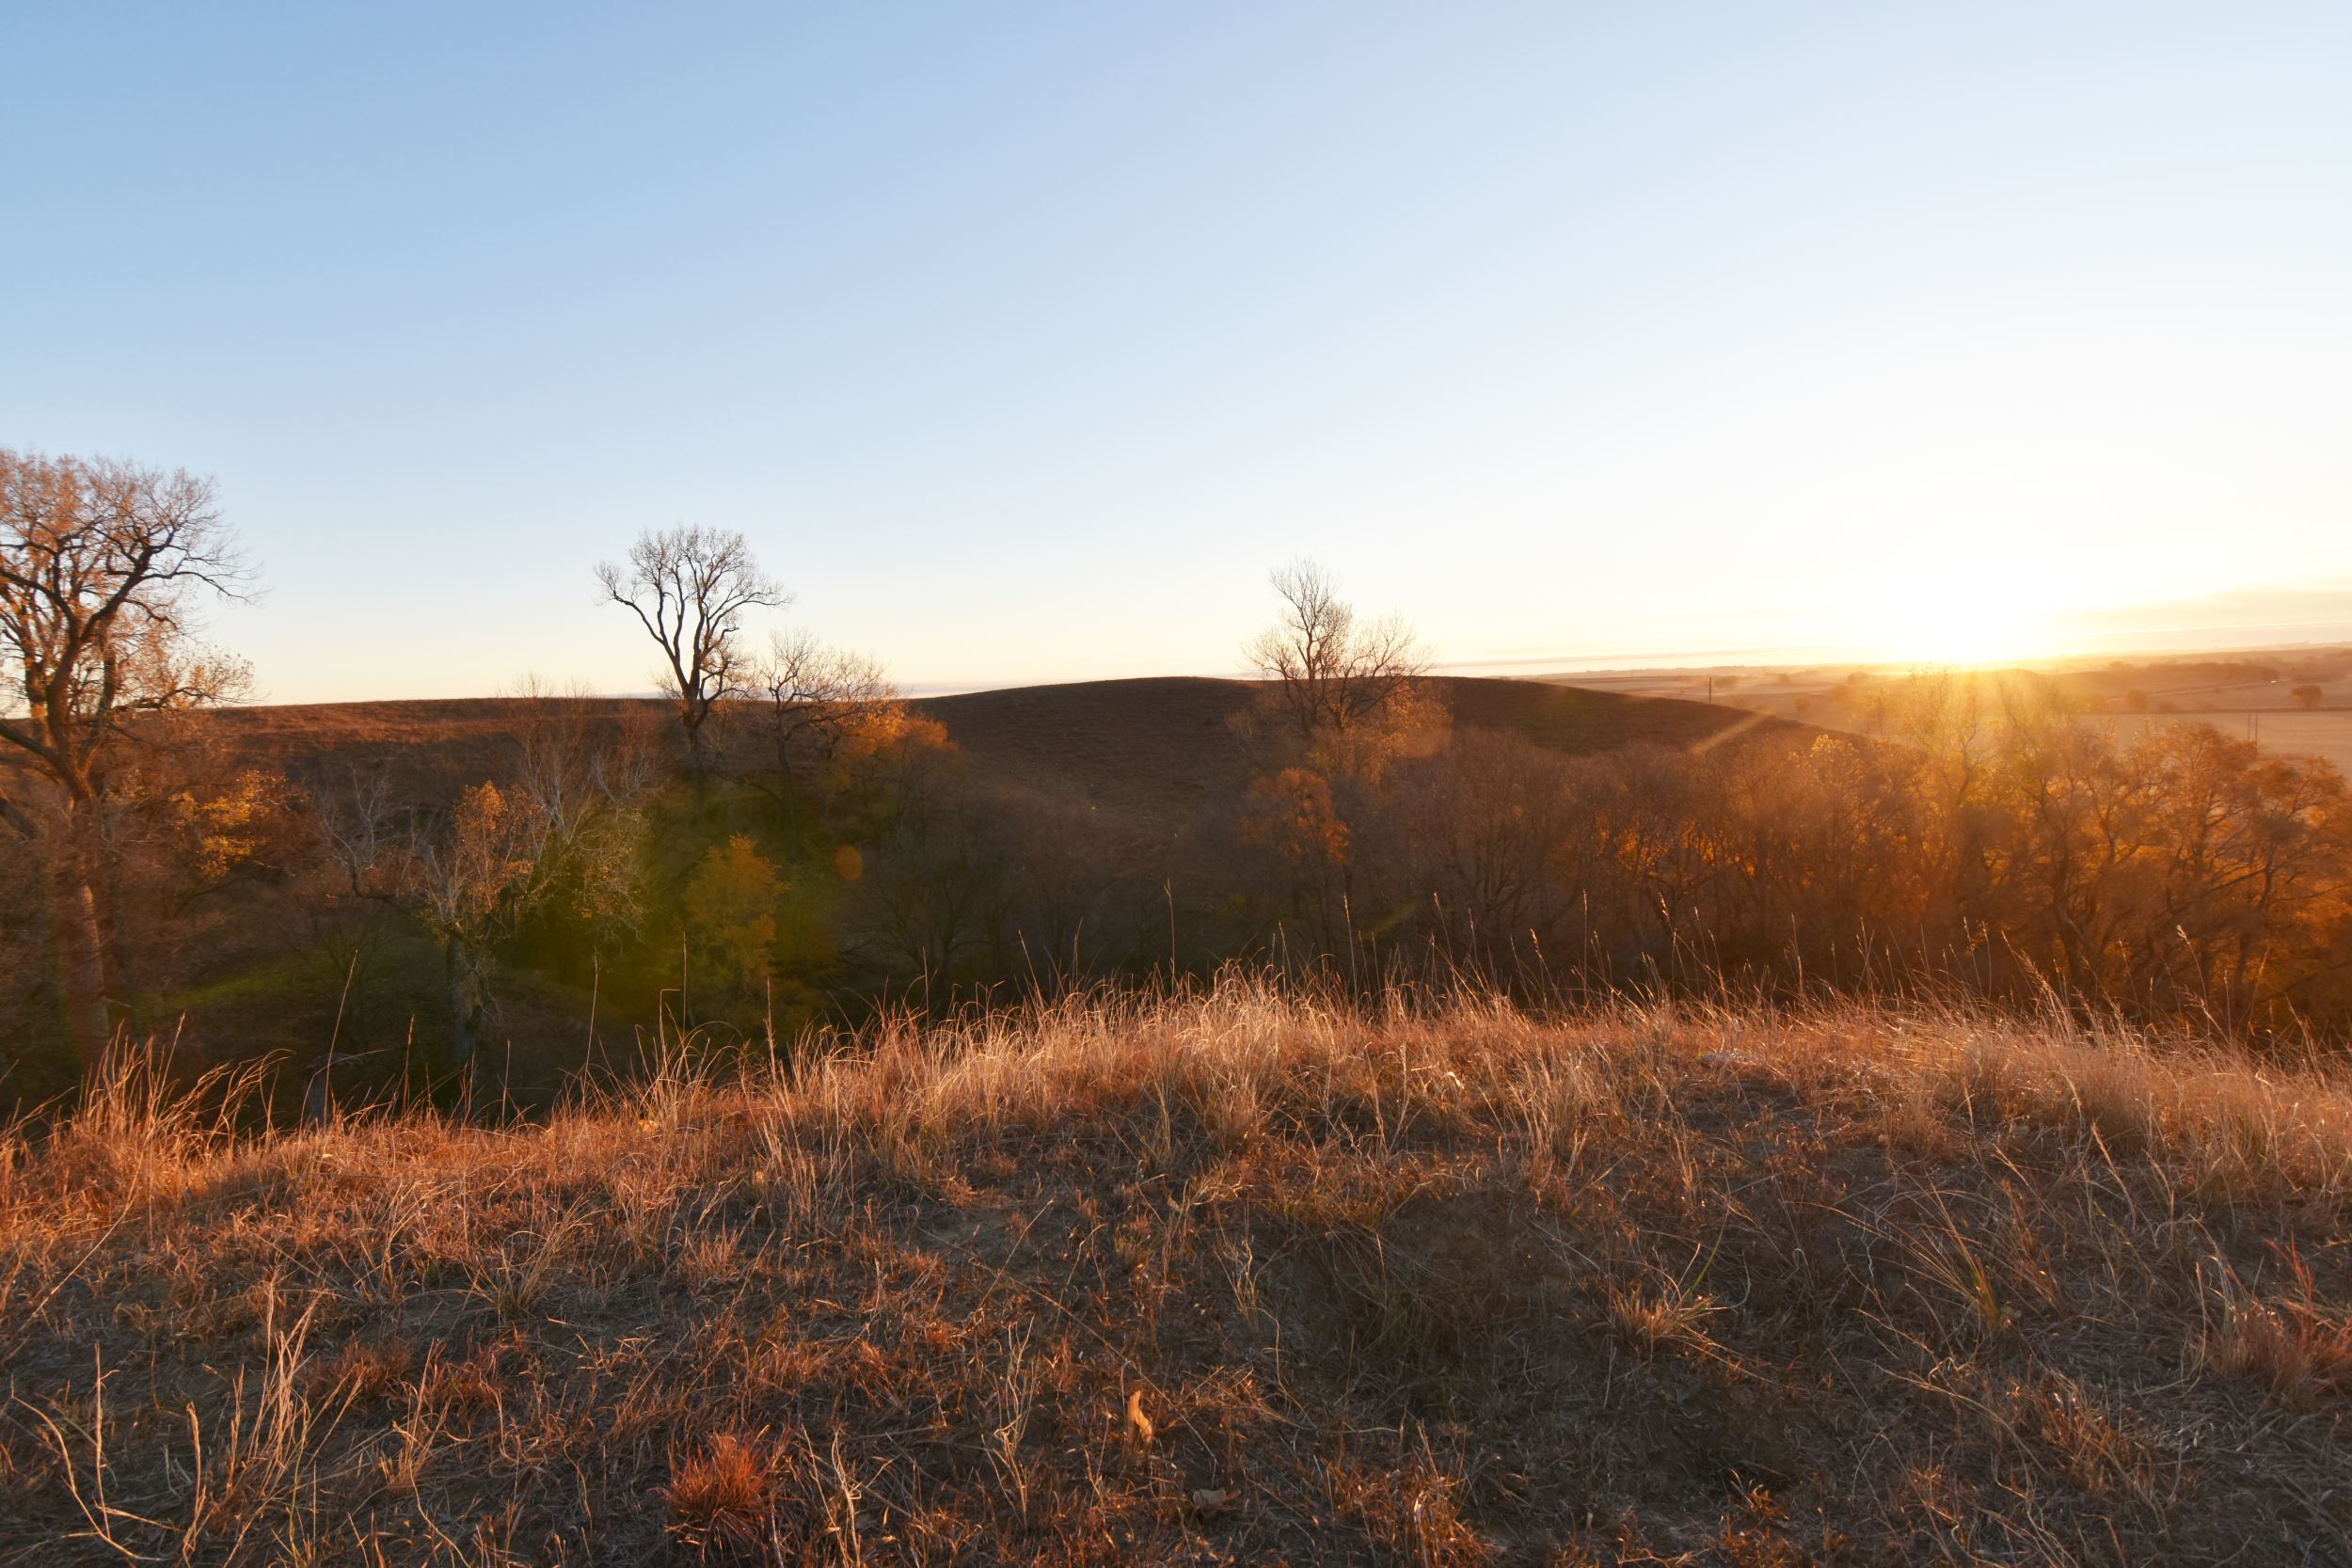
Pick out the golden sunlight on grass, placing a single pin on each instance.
(1232, 1276)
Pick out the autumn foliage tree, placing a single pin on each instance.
(1344, 697)
(102, 567)
(820, 706)
(1343, 688)
(730, 912)
(1290, 819)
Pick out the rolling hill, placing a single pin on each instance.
(1155, 746)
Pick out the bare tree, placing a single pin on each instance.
(1334, 671)
(101, 563)
(816, 698)
(576, 754)
(690, 587)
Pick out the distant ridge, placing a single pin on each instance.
(1154, 746)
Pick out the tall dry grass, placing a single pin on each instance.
(1238, 1275)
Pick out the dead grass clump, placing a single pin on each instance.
(1558, 1099)
(365, 1369)
(709, 1261)
(722, 1495)
(2227, 1124)
(1407, 1509)
(2293, 1344)
(461, 1387)
(138, 1134)
(1663, 1315)
(1915, 1122)
(2087, 1441)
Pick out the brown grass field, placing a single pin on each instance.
(1234, 1276)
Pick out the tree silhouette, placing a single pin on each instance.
(690, 587)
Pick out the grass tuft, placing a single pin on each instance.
(722, 1496)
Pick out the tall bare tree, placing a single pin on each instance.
(102, 564)
(690, 587)
(1333, 672)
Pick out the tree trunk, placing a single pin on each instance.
(464, 1007)
(114, 945)
(788, 802)
(697, 763)
(80, 950)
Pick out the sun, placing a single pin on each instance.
(1950, 612)
(1966, 632)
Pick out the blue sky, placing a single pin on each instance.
(1023, 339)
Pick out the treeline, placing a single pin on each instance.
(1999, 842)
(785, 840)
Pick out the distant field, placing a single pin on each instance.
(2248, 696)
(2327, 734)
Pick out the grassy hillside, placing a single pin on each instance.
(1154, 747)
(1230, 1278)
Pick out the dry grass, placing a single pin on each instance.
(1232, 1278)
(722, 1495)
